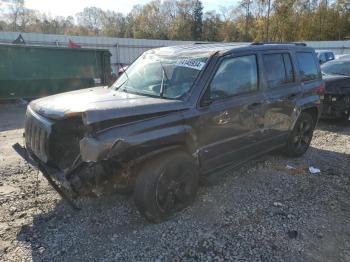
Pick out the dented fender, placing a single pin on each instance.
(121, 143)
(91, 150)
(305, 103)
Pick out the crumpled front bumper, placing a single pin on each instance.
(55, 177)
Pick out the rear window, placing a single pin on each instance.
(307, 66)
(278, 69)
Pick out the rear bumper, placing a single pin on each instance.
(335, 109)
(55, 177)
(335, 105)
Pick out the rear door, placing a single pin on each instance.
(281, 91)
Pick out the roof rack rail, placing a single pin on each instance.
(202, 43)
(281, 43)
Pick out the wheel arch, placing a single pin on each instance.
(313, 111)
(162, 150)
(139, 162)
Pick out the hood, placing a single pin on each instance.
(102, 103)
(337, 84)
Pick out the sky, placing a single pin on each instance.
(71, 7)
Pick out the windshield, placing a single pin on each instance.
(162, 76)
(336, 68)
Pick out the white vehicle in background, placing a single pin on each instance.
(344, 56)
(325, 56)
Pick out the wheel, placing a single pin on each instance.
(166, 185)
(300, 138)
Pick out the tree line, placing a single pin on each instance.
(248, 20)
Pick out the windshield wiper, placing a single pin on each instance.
(162, 88)
(127, 79)
(122, 67)
(334, 73)
(341, 74)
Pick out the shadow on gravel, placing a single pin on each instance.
(330, 162)
(334, 125)
(83, 235)
(109, 223)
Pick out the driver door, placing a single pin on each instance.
(231, 125)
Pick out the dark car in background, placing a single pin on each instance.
(176, 115)
(336, 100)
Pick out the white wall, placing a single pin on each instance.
(126, 50)
(338, 47)
(123, 50)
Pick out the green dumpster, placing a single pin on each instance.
(36, 71)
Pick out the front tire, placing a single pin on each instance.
(165, 185)
(300, 138)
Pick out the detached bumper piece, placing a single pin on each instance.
(52, 175)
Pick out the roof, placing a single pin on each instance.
(224, 48)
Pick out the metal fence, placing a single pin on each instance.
(338, 47)
(126, 50)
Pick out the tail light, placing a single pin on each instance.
(321, 89)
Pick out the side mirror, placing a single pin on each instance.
(206, 102)
(206, 99)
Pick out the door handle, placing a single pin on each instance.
(292, 96)
(254, 105)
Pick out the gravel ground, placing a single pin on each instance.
(260, 211)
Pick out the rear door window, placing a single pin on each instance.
(307, 66)
(278, 69)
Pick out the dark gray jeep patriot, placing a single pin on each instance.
(176, 115)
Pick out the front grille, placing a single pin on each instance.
(37, 132)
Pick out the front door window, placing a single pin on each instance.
(235, 76)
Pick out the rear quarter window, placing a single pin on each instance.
(308, 68)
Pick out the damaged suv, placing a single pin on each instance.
(176, 115)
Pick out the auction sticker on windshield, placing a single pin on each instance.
(191, 63)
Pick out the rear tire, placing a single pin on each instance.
(300, 138)
(165, 185)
